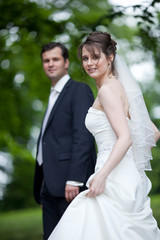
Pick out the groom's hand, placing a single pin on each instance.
(71, 192)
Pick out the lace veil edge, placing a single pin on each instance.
(142, 132)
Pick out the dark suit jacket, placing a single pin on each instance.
(68, 147)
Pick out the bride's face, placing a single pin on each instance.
(96, 65)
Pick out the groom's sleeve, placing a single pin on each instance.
(82, 140)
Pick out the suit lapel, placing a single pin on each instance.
(59, 99)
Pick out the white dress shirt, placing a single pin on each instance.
(55, 91)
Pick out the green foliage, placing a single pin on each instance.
(18, 193)
(154, 175)
(155, 199)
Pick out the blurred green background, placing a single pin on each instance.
(24, 27)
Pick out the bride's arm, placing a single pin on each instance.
(156, 132)
(113, 107)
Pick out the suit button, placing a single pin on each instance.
(44, 143)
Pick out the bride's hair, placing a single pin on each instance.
(102, 41)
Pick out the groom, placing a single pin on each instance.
(65, 150)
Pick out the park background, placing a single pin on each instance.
(24, 27)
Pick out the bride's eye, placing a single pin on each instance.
(84, 58)
(96, 56)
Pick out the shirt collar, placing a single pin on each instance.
(61, 83)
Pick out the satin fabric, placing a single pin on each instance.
(123, 211)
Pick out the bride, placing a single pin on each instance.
(116, 205)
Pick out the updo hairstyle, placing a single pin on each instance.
(102, 42)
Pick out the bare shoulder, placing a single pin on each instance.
(110, 89)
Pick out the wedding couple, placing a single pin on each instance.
(116, 205)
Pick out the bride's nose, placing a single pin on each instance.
(90, 62)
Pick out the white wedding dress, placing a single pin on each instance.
(123, 211)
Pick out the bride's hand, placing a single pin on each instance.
(97, 185)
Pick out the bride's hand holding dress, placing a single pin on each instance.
(97, 185)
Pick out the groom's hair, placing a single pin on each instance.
(52, 45)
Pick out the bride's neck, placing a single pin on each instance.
(103, 80)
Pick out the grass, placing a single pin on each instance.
(21, 225)
(27, 224)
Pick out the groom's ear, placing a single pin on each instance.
(66, 63)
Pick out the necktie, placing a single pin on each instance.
(49, 108)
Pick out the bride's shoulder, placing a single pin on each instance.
(111, 87)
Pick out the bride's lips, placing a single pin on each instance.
(91, 70)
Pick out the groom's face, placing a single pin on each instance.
(54, 64)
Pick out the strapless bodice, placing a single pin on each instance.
(97, 123)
